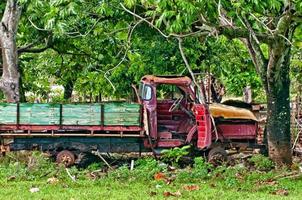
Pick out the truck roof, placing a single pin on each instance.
(175, 80)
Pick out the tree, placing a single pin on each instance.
(9, 82)
(265, 27)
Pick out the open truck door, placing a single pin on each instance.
(148, 98)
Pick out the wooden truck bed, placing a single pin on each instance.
(99, 119)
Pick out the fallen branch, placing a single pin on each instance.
(288, 175)
(72, 177)
(97, 153)
(294, 176)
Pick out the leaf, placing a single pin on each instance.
(190, 187)
(281, 192)
(130, 3)
(174, 194)
(159, 176)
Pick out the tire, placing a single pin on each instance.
(66, 158)
(217, 156)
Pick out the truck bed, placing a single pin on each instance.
(70, 119)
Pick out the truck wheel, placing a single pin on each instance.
(66, 158)
(217, 156)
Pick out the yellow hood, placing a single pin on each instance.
(230, 112)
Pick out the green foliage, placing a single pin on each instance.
(95, 166)
(144, 169)
(147, 167)
(262, 162)
(174, 155)
(86, 40)
(25, 166)
(201, 168)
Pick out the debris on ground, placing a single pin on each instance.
(52, 180)
(190, 187)
(174, 194)
(281, 192)
(34, 189)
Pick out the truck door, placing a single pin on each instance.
(148, 95)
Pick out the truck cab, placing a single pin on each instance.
(180, 118)
(173, 119)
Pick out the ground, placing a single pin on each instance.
(33, 177)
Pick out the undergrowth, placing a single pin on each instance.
(258, 174)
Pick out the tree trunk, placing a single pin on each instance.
(278, 103)
(9, 83)
(278, 124)
(68, 88)
(21, 87)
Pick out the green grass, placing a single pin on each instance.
(109, 189)
(17, 177)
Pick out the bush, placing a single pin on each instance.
(26, 165)
(173, 155)
(144, 169)
(201, 168)
(261, 162)
(121, 173)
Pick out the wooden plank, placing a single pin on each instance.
(8, 113)
(39, 114)
(122, 114)
(81, 114)
(121, 107)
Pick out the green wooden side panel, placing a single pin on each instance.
(119, 114)
(8, 113)
(123, 114)
(39, 114)
(81, 114)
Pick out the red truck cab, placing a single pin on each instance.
(181, 119)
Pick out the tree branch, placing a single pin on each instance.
(28, 48)
(202, 100)
(199, 33)
(130, 32)
(36, 27)
(256, 54)
(34, 50)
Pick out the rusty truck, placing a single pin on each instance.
(154, 122)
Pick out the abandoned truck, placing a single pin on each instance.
(152, 123)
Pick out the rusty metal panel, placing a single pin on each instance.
(125, 114)
(8, 113)
(39, 114)
(81, 114)
(235, 130)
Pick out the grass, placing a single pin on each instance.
(17, 177)
(108, 189)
